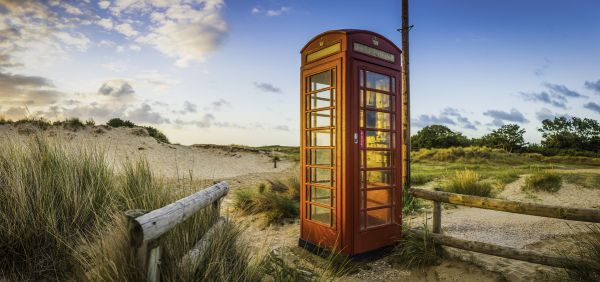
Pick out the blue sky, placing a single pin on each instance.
(227, 71)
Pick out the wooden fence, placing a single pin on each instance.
(145, 228)
(438, 197)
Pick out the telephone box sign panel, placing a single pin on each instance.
(324, 52)
(374, 52)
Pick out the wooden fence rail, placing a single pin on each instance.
(145, 228)
(438, 197)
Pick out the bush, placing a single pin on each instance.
(4, 121)
(117, 122)
(587, 180)
(415, 251)
(410, 204)
(468, 182)
(90, 122)
(278, 204)
(159, 136)
(70, 123)
(438, 136)
(544, 181)
(41, 123)
(420, 179)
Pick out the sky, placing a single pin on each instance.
(227, 72)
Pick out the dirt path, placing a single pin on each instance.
(516, 230)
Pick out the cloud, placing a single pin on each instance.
(220, 104)
(556, 95)
(270, 12)
(126, 29)
(499, 117)
(267, 87)
(543, 114)
(145, 114)
(594, 86)
(592, 106)
(205, 121)
(16, 89)
(116, 88)
(190, 107)
(282, 128)
(103, 4)
(188, 33)
(545, 97)
(563, 90)
(106, 23)
(448, 116)
(539, 72)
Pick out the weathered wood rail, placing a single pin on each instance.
(146, 228)
(438, 197)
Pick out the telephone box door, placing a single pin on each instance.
(320, 186)
(379, 203)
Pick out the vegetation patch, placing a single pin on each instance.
(73, 124)
(153, 132)
(587, 180)
(278, 202)
(582, 260)
(415, 251)
(468, 182)
(61, 216)
(543, 181)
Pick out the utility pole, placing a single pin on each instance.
(405, 94)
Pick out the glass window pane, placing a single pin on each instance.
(378, 81)
(378, 139)
(319, 137)
(320, 214)
(362, 118)
(321, 99)
(377, 198)
(361, 77)
(321, 157)
(393, 84)
(379, 178)
(378, 120)
(319, 119)
(378, 217)
(378, 158)
(319, 195)
(322, 176)
(319, 81)
(379, 101)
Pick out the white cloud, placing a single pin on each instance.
(103, 4)
(126, 29)
(277, 12)
(256, 10)
(72, 9)
(106, 23)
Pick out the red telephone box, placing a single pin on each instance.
(351, 158)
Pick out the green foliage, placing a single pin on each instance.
(157, 134)
(39, 122)
(544, 181)
(571, 133)
(587, 180)
(508, 137)
(468, 182)
(90, 122)
(410, 204)
(70, 123)
(277, 204)
(117, 122)
(415, 251)
(4, 121)
(420, 178)
(438, 136)
(459, 154)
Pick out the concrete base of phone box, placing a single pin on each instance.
(362, 257)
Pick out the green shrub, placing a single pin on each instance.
(277, 204)
(90, 122)
(117, 122)
(4, 121)
(468, 182)
(587, 180)
(415, 251)
(410, 204)
(420, 179)
(70, 123)
(544, 181)
(40, 122)
(159, 136)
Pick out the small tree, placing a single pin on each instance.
(275, 160)
(438, 136)
(508, 137)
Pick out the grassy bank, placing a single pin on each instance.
(61, 217)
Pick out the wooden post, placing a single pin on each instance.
(140, 251)
(405, 93)
(437, 222)
(153, 266)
